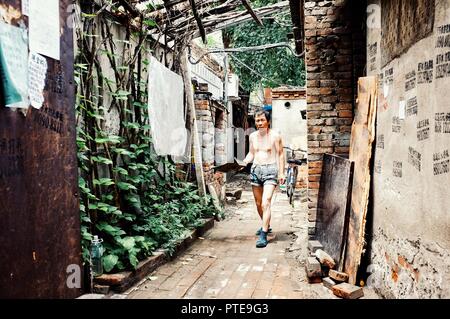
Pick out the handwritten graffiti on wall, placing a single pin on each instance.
(443, 37)
(389, 76)
(441, 163)
(411, 106)
(425, 72)
(442, 123)
(380, 141)
(11, 157)
(410, 80)
(50, 119)
(377, 167)
(397, 169)
(443, 65)
(372, 53)
(423, 129)
(397, 124)
(414, 158)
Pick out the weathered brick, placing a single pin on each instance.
(328, 283)
(317, 164)
(347, 291)
(330, 121)
(310, 19)
(312, 99)
(314, 129)
(313, 84)
(319, 11)
(328, 83)
(314, 178)
(316, 121)
(312, 204)
(329, 114)
(344, 106)
(313, 143)
(312, 215)
(326, 91)
(313, 171)
(310, 33)
(313, 91)
(338, 276)
(329, 99)
(345, 114)
(322, 150)
(319, 107)
(342, 149)
(320, 137)
(343, 91)
(345, 129)
(314, 185)
(311, 228)
(325, 259)
(314, 245)
(345, 83)
(327, 143)
(328, 129)
(345, 98)
(324, 30)
(313, 267)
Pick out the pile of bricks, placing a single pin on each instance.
(320, 269)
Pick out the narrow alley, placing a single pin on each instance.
(225, 263)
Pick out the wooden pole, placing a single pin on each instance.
(186, 74)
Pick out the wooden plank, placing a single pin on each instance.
(252, 13)
(39, 211)
(333, 205)
(363, 135)
(194, 127)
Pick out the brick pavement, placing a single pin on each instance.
(226, 264)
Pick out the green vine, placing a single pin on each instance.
(130, 197)
(277, 66)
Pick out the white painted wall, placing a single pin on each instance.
(289, 122)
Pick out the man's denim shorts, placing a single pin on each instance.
(261, 175)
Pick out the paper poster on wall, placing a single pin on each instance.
(26, 7)
(14, 66)
(44, 28)
(37, 71)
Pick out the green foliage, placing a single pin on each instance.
(126, 199)
(278, 65)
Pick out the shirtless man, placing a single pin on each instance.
(266, 152)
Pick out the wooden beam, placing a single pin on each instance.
(201, 29)
(193, 125)
(252, 13)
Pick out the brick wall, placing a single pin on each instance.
(335, 53)
(212, 133)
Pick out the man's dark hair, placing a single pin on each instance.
(265, 113)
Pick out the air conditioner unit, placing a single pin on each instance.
(233, 85)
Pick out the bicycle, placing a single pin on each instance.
(292, 172)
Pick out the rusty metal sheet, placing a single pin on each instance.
(333, 206)
(39, 210)
(363, 135)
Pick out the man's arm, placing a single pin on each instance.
(251, 153)
(281, 161)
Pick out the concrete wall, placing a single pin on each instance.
(289, 122)
(411, 196)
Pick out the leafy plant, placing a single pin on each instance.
(129, 196)
(276, 66)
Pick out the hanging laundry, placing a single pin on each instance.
(165, 109)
